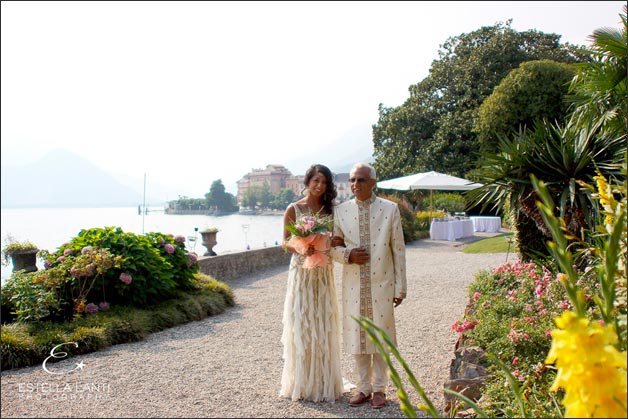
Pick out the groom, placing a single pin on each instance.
(373, 277)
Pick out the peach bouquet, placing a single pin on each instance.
(312, 230)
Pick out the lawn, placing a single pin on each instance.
(495, 244)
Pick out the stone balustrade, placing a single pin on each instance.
(233, 265)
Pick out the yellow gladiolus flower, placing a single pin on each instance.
(606, 198)
(590, 369)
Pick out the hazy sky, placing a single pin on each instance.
(189, 92)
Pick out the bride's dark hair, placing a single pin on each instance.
(330, 192)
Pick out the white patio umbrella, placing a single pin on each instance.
(429, 180)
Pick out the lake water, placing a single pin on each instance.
(49, 228)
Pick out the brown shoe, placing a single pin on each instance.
(358, 399)
(379, 400)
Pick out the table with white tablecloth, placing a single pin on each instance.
(489, 224)
(451, 230)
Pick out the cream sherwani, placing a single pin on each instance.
(368, 290)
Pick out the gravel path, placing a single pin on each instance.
(229, 365)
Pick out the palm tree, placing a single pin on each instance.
(598, 91)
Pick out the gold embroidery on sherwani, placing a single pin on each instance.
(366, 299)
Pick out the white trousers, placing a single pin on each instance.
(370, 373)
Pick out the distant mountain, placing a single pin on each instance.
(63, 179)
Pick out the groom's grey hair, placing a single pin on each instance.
(372, 172)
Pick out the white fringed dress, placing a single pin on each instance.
(311, 334)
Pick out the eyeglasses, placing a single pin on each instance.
(358, 180)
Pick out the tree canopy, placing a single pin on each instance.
(534, 90)
(433, 129)
(220, 200)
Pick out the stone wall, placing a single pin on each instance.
(467, 373)
(233, 265)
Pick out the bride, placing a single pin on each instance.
(311, 331)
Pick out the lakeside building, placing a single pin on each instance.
(276, 176)
(279, 177)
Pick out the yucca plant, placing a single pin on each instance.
(563, 157)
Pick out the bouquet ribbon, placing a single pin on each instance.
(320, 242)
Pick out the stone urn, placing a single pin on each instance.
(24, 260)
(209, 241)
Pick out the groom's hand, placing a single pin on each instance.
(359, 256)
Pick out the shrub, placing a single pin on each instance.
(18, 346)
(184, 266)
(209, 286)
(26, 297)
(449, 202)
(90, 339)
(423, 218)
(149, 275)
(29, 343)
(107, 266)
(511, 311)
(78, 278)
